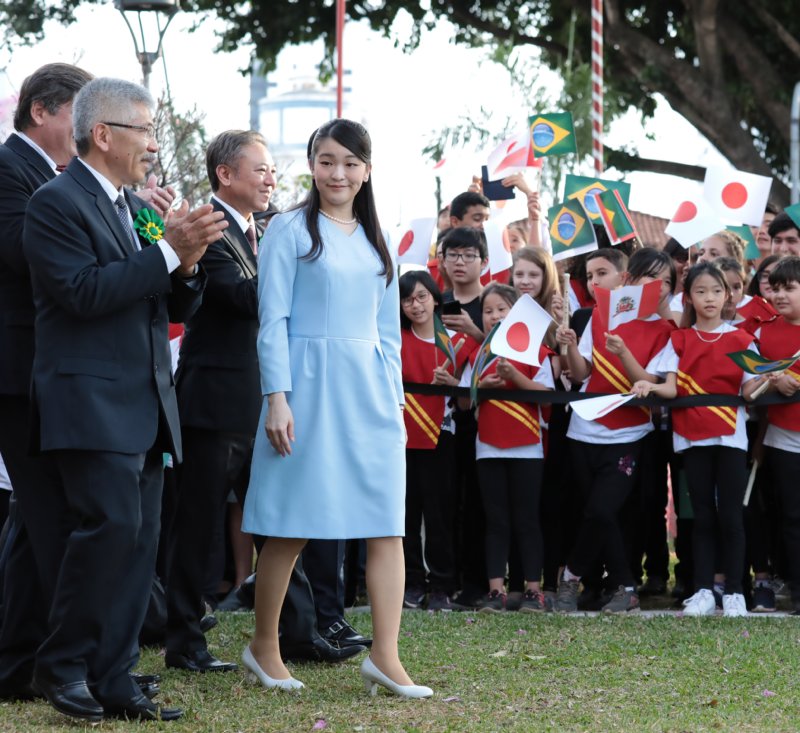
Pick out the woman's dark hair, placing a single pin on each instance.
(408, 283)
(355, 138)
(506, 292)
(754, 288)
(649, 262)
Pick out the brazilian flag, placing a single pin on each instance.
(751, 248)
(571, 231)
(442, 339)
(584, 189)
(552, 134)
(753, 363)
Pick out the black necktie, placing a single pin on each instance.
(122, 213)
(251, 237)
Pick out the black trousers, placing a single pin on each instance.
(38, 526)
(605, 476)
(430, 497)
(785, 470)
(107, 570)
(214, 463)
(323, 562)
(717, 478)
(511, 489)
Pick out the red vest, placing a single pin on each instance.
(779, 340)
(433, 268)
(705, 368)
(506, 424)
(423, 414)
(755, 313)
(644, 339)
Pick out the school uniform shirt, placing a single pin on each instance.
(426, 416)
(717, 374)
(780, 339)
(544, 376)
(649, 342)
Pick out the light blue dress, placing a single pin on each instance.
(329, 337)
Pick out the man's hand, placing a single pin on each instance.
(190, 232)
(159, 198)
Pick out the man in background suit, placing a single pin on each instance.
(103, 392)
(219, 395)
(42, 143)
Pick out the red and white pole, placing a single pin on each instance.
(339, 54)
(597, 85)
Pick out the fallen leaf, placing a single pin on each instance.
(501, 653)
(321, 724)
(769, 693)
(452, 698)
(712, 703)
(535, 657)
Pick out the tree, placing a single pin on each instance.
(727, 67)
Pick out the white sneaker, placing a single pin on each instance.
(733, 605)
(702, 603)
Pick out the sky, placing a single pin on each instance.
(402, 99)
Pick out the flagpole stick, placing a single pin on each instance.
(750, 483)
(565, 308)
(761, 389)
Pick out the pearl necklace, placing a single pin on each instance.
(708, 341)
(337, 220)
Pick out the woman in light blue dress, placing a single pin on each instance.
(330, 463)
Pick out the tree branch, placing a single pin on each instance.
(775, 27)
(626, 161)
(704, 20)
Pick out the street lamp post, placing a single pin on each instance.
(147, 58)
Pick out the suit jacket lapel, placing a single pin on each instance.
(31, 156)
(238, 241)
(84, 178)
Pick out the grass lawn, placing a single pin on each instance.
(509, 672)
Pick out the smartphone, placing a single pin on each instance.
(451, 308)
(494, 190)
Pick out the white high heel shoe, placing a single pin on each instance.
(258, 674)
(373, 677)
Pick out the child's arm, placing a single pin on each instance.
(635, 371)
(507, 371)
(668, 389)
(578, 367)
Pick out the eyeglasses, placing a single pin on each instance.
(148, 130)
(421, 298)
(467, 257)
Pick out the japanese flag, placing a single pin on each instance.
(498, 246)
(694, 220)
(520, 334)
(739, 198)
(415, 241)
(513, 155)
(628, 303)
(594, 407)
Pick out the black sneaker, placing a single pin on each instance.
(414, 597)
(763, 599)
(495, 602)
(622, 602)
(532, 601)
(439, 601)
(567, 596)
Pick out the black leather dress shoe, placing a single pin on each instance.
(145, 679)
(150, 691)
(72, 698)
(140, 708)
(318, 650)
(240, 599)
(200, 661)
(208, 622)
(341, 634)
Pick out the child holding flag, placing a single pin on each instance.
(606, 451)
(712, 440)
(428, 355)
(777, 340)
(510, 460)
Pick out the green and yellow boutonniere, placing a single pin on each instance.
(149, 225)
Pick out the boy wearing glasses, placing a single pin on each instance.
(465, 256)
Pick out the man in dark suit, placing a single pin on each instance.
(103, 392)
(28, 159)
(219, 395)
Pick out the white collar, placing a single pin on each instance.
(237, 217)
